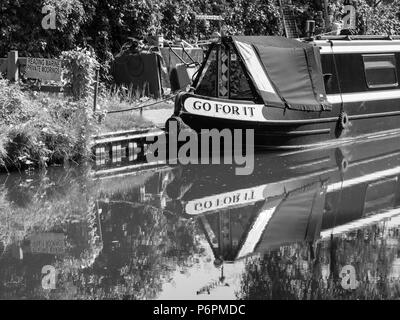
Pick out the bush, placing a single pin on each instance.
(37, 130)
(79, 72)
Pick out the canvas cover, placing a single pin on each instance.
(298, 218)
(293, 69)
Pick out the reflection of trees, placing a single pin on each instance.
(50, 201)
(135, 263)
(127, 252)
(294, 273)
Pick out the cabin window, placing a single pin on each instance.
(223, 76)
(380, 70)
(239, 85)
(209, 77)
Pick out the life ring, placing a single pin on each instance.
(343, 120)
(343, 165)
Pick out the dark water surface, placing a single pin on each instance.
(320, 224)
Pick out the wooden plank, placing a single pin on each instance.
(122, 133)
(129, 170)
(22, 61)
(43, 69)
(3, 65)
(128, 137)
(12, 66)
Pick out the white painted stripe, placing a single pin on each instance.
(373, 46)
(128, 170)
(393, 222)
(128, 137)
(254, 65)
(364, 96)
(256, 232)
(357, 224)
(350, 43)
(367, 178)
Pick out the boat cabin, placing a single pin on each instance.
(297, 93)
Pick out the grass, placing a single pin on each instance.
(40, 129)
(121, 121)
(120, 98)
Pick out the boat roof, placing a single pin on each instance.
(290, 72)
(357, 44)
(341, 43)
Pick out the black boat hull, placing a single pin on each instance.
(303, 133)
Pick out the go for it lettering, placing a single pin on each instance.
(49, 20)
(49, 279)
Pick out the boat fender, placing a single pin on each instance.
(343, 120)
(341, 161)
(180, 125)
(178, 104)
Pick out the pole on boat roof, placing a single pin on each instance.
(310, 28)
(208, 17)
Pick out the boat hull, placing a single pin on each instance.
(295, 129)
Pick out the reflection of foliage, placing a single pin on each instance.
(141, 262)
(129, 255)
(293, 273)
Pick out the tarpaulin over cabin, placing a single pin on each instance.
(293, 69)
(296, 219)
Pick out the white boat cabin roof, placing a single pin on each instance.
(357, 44)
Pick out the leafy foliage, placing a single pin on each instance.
(106, 25)
(378, 19)
(79, 71)
(38, 129)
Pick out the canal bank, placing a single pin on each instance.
(39, 130)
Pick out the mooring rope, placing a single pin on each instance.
(142, 106)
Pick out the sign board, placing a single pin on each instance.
(209, 17)
(227, 200)
(43, 69)
(231, 111)
(47, 243)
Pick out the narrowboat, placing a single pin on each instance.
(304, 197)
(296, 93)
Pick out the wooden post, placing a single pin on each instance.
(327, 20)
(96, 89)
(12, 66)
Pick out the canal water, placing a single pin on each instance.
(316, 224)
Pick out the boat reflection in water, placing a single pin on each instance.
(302, 217)
(287, 231)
